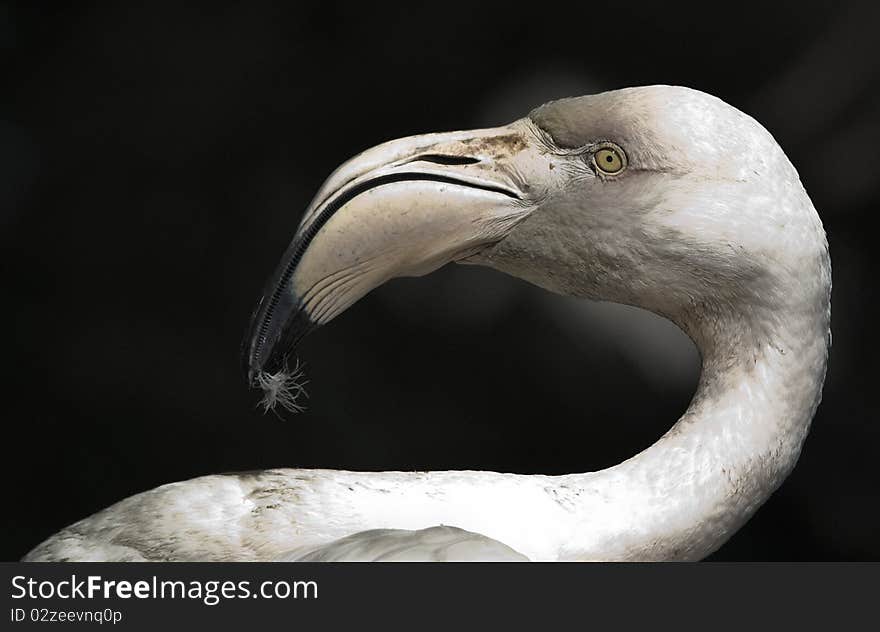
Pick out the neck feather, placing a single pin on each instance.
(684, 496)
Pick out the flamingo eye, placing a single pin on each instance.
(609, 159)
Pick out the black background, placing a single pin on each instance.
(155, 160)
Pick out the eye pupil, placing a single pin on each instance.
(609, 158)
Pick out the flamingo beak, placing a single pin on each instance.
(403, 208)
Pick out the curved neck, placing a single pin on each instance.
(684, 496)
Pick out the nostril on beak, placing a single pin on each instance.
(444, 159)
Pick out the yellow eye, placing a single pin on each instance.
(610, 160)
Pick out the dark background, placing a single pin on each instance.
(154, 162)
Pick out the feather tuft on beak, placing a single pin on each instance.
(285, 387)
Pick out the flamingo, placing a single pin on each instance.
(660, 197)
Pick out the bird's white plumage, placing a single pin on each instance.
(710, 228)
(435, 544)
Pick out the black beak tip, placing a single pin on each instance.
(249, 367)
(269, 342)
(250, 343)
